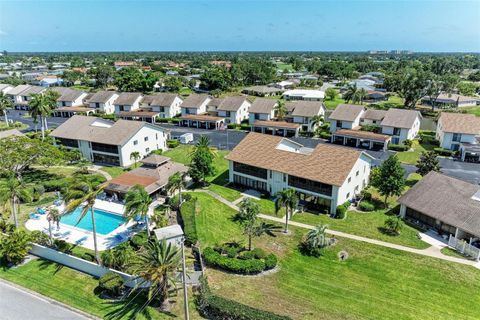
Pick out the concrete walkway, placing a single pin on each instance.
(98, 169)
(432, 251)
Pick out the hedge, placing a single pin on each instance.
(232, 126)
(252, 266)
(187, 213)
(444, 152)
(172, 143)
(325, 135)
(341, 211)
(214, 307)
(397, 147)
(111, 282)
(366, 206)
(245, 127)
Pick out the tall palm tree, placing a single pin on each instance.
(39, 109)
(316, 238)
(359, 96)
(156, 264)
(280, 110)
(137, 203)
(12, 191)
(51, 102)
(83, 191)
(286, 198)
(203, 143)
(176, 182)
(350, 93)
(135, 156)
(5, 103)
(53, 217)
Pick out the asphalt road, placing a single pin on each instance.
(16, 304)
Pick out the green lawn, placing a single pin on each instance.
(411, 157)
(282, 66)
(474, 110)
(374, 283)
(20, 126)
(332, 104)
(116, 171)
(267, 206)
(225, 192)
(453, 253)
(73, 288)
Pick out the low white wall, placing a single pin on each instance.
(85, 266)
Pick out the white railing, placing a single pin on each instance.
(463, 247)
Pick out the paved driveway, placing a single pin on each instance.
(462, 170)
(16, 304)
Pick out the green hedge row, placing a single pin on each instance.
(325, 135)
(397, 147)
(245, 265)
(365, 205)
(168, 120)
(173, 143)
(214, 307)
(341, 211)
(187, 213)
(444, 152)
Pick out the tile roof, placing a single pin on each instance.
(374, 114)
(215, 102)
(101, 96)
(326, 163)
(195, 100)
(362, 134)
(232, 103)
(305, 108)
(139, 113)
(127, 98)
(446, 199)
(459, 123)
(400, 118)
(346, 112)
(263, 105)
(155, 159)
(60, 90)
(99, 130)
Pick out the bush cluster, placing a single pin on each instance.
(342, 210)
(167, 120)
(217, 308)
(365, 205)
(187, 213)
(173, 143)
(112, 283)
(325, 135)
(444, 152)
(397, 147)
(245, 127)
(40, 238)
(232, 258)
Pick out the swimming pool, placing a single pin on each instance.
(105, 222)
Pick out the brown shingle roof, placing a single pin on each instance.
(460, 123)
(215, 102)
(195, 100)
(160, 99)
(139, 113)
(326, 163)
(232, 103)
(263, 105)
(86, 128)
(400, 118)
(374, 114)
(101, 96)
(127, 98)
(201, 117)
(362, 134)
(276, 124)
(346, 112)
(446, 199)
(32, 90)
(70, 95)
(304, 108)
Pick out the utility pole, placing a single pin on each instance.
(184, 276)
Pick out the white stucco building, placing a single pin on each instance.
(127, 101)
(304, 94)
(110, 143)
(324, 177)
(103, 101)
(234, 109)
(262, 109)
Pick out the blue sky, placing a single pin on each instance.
(214, 25)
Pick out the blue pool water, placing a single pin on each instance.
(105, 222)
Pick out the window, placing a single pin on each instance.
(121, 108)
(97, 105)
(284, 177)
(64, 103)
(270, 174)
(250, 170)
(145, 139)
(156, 136)
(106, 159)
(396, 131)
(147, 150)
(357, 173)
(227, 113)
(348, 195)
(104, 147)
(339, 124)
(251, 183)
(349, 179)
(68, 142)
(135, 142)
(310, 185)
(257, 116)
(162, 109)
(457, 137)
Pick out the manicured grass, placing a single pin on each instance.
(267, 206)
(75, 289)
(215, 221)
(453, 253)
(116, 171)
(225, 192)
(282, 66)
(411, 157)
(473, 110)
(332, 104)
(21, 126)
(374, 283)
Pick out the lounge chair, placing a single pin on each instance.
(34, 216)
(81, 240)
(120, 237)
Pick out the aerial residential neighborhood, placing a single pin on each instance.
(241, 160)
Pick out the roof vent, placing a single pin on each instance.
(476, 196)
(101, 124)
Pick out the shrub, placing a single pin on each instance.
(162, 120)
(62, 246)
(175, 120)
(397, 147)
(270, 261)
(325, 135)
(139, 240)
(365, 205)
(367, 195)
(112, 283)
(218, 308)
(444, 152)
(187, 213)
(246, 255)
(245, 127)
(40, 238)
(394, 225)
(258, 253)
(158, 152)
(342, 210)
(408, 143)
(6, 227)
(15, 246)
(55, 185)
(213, 258)
(172, 143)
(232, 126)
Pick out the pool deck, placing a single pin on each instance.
(83, 237)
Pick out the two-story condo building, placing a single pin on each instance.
(262, 118)
(22, 94)
(234, 109)
(325, 176)
(304, 94)
(452, 100)
(303, 112)
(457, 131)
(71, 102)
(4, 88)
(195, 112)
(401, 124)
(162, 105)
(110, 143)
(127, 101)
(103, 101)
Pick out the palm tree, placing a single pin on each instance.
(5, 103)
(316, 120)
(156, 265)
(203, 143)
(135, 156)
(83, 191)
(360, 95)
(286, 198)
(12, 192)
(53, 216)
(316, 238)
(280, 110)
(39, 108)
(176, 182)
(51, 101)
(137, 203)
(350, 93)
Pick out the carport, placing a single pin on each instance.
(278, 128)
(202, 121)
(361, 139)
(470, 152)
(140, 115)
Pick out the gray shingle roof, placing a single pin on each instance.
(18, 89)
(163, 99)
(127, 98)
(263, 105)
(232, 103)
(446, 199)
(70, 95)
(373, 114)
(195, 100)
(101, 96)
(400, 118)
(304, 108)
(98, 130)
(346, 112)
(460, 123)
(32, 90)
